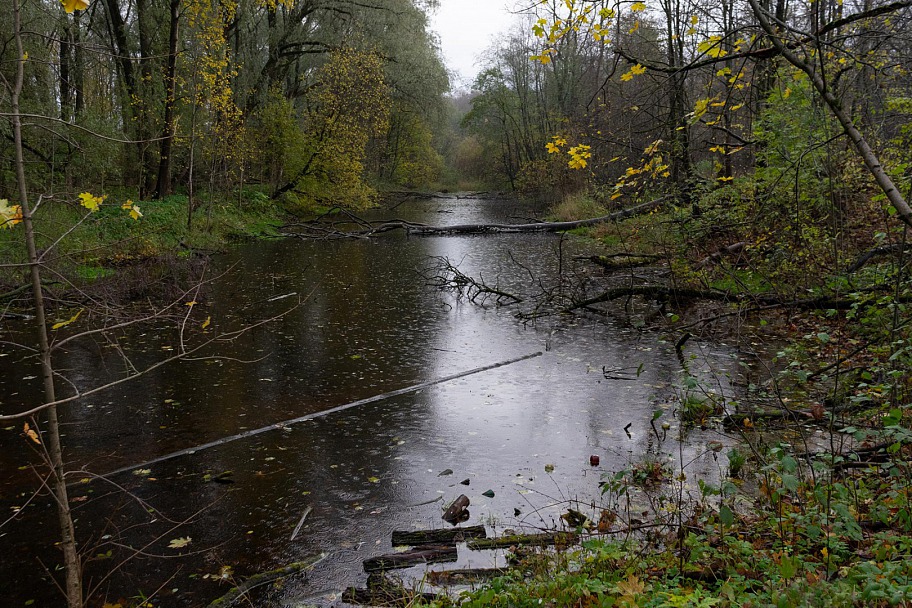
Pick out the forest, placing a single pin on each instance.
(295, 204)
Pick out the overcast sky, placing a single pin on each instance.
(467, 28)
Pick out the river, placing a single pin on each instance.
(367, 324)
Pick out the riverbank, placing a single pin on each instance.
(814, 507)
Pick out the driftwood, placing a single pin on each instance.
(429, 554)
(458, 511)
(264, 578)
(546, 539)
(373, 597)
(412, 538)
(442, 578)
(382, 591)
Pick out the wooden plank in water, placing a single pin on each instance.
(442, 578)
(530, 540)
(430, 554)
(412, 538)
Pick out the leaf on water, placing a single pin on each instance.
(142, 472)
(374, 479)
(68, 321)
(31, 434)
(206, 322)
(179, 543)
(549, 468)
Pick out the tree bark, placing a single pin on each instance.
(163, 184)
(72, 565)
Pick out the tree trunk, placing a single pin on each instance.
(72, 565)
(163, 185)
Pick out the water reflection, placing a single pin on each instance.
(367, 325)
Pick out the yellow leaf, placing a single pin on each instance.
(135, 213)
(191, 303)
(74, 5)
(206, 322)
(10, 215)
(638, 6)
(90, 201)
(68, 321)
(179, 543)
(31, 434)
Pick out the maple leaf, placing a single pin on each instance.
(31, 434)
(10, 215)
(135, 213)
(179, 543)
(90, 201)
(74, 5)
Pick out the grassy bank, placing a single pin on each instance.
(91, 245)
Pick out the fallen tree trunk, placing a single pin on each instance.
(663, 292)
(430, 554)
(317, 229)
(538, 226)
(622, 261)
(411, 538)
(382, 591)
(443, 578)
(547, 539)
(264, 578)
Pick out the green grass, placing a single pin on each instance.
(87, 245)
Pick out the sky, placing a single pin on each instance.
(468, 27)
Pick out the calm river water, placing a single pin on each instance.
(368, 324)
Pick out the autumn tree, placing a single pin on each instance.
(348, 105)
